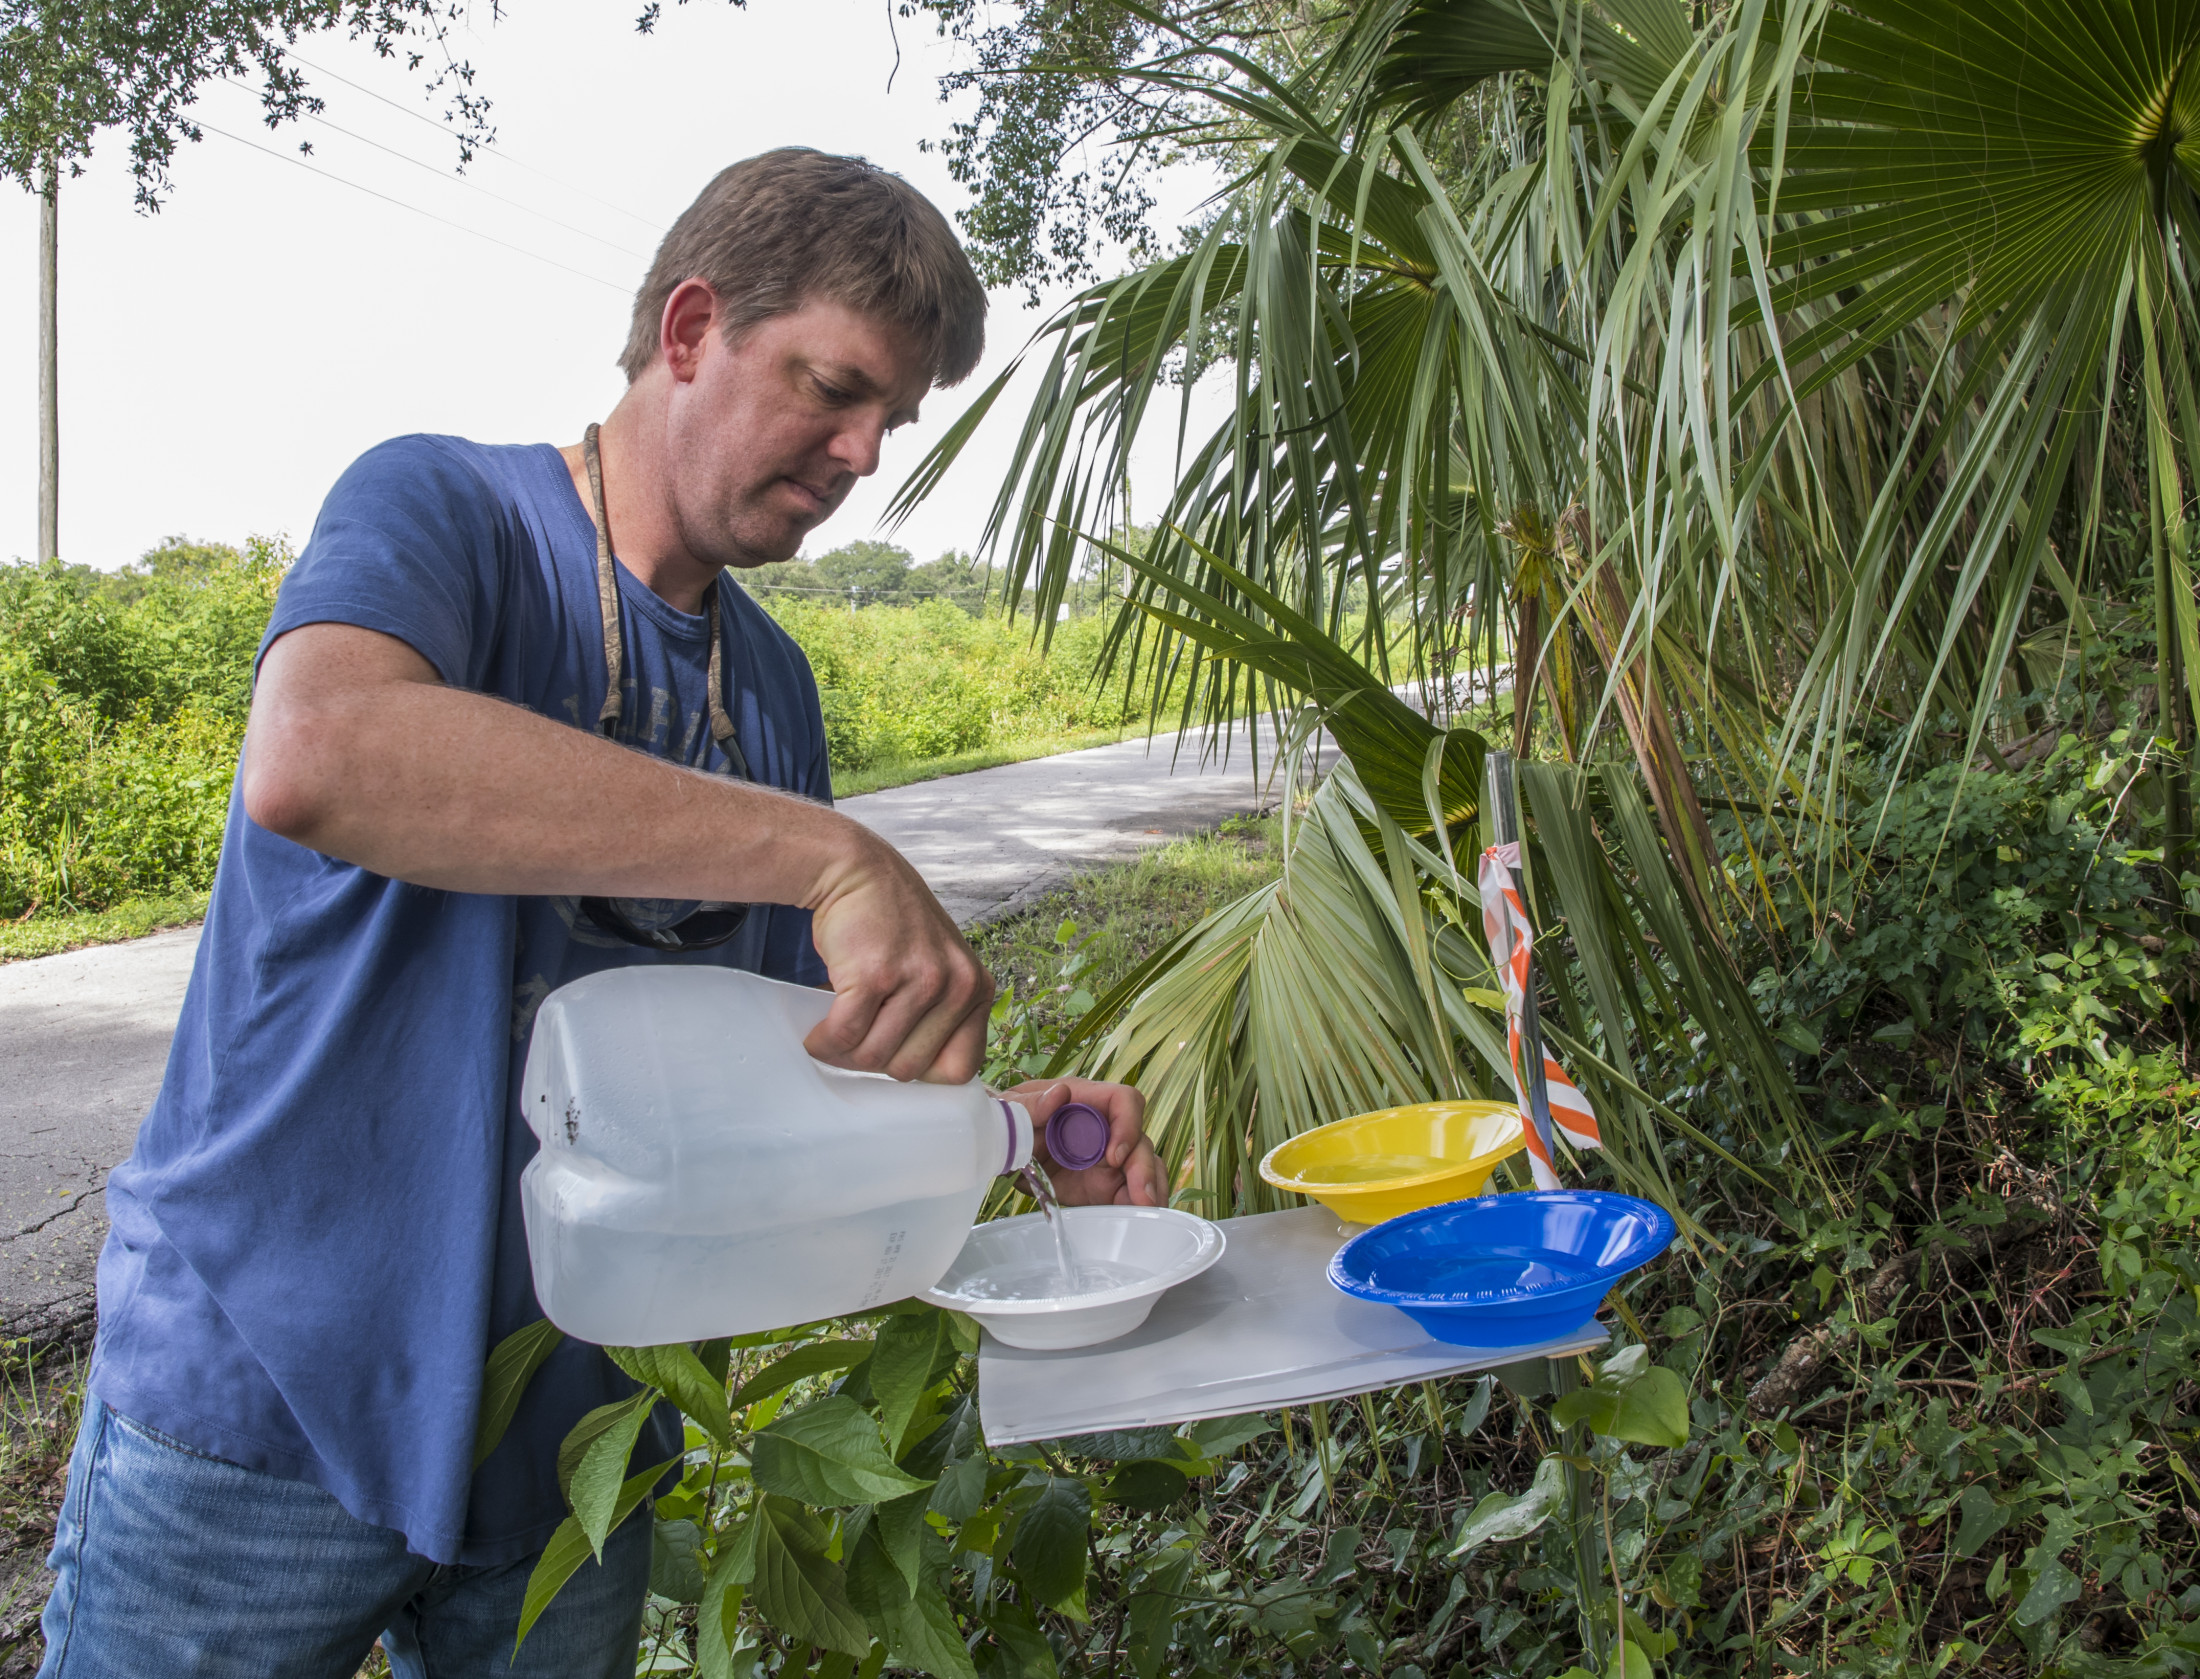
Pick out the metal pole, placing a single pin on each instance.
(49, 366)
(1504, 808)
(1561, 1376)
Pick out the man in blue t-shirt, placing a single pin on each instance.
(513, 724)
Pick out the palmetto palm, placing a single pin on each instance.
(1786, 360)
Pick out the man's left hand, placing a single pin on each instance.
(1129, 1174)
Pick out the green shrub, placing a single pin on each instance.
(930, 680)
(94, 811)
(122, 709)
(2014, 911)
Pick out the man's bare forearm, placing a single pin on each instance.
(356, 751)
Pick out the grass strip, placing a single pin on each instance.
(1097, 926)
(876, 778)
(49, 935)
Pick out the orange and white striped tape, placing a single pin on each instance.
(1512, 948)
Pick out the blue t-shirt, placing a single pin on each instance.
(318, 1237)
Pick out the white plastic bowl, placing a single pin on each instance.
(1169, 1246)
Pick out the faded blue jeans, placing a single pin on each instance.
(174, 1565)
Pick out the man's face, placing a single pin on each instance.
(769, 434)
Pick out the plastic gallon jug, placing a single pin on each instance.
(701, 1175)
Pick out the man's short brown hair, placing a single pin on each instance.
(777, 231)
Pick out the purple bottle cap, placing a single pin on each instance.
(1077, 1136)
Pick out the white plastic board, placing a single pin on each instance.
(1260, 1329)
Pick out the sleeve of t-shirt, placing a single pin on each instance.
(410, 542)
(798, 955)
(819, 781)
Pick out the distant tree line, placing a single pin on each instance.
(861, 574)
(874, 574)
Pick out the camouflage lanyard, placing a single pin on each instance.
(707, 924)
(614, 632)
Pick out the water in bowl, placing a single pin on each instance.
(1022, 1280)
(1504, 1271)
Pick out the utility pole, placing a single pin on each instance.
(49, 366)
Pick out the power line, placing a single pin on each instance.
(451, 179)
(487, 150)
(475, 186)
(521, 250)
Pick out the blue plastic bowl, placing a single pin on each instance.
(1505, 1270)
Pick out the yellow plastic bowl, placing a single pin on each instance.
(1379, 1165)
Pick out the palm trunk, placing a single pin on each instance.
(1649, 725)
(1527, 642)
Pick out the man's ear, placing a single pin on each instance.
(691, 314)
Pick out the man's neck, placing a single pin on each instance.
(644, 533)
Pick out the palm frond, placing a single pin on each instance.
(1745, 394)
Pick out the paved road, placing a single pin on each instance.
(82, 1041)
(83, 1037)
(991, 842)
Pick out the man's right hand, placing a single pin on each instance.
(356, 750)
(910, 999)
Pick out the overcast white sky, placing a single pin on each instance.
(222, 361)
